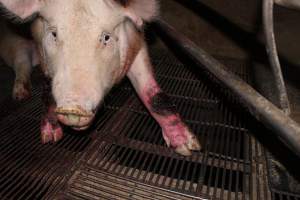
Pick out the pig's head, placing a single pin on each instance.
(86, 46)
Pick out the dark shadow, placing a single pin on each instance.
(283, 163)
(245, 40)
(236, 34)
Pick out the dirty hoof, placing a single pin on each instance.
(51, 131)
(182, 140)
(192, 144)
(21, 92)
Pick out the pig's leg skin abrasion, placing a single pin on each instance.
(51, 130)
(175, 132)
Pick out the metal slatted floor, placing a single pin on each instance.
(123, 155)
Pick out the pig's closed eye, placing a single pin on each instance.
(105, 38)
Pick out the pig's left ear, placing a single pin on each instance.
(22, 8)
(139, 10)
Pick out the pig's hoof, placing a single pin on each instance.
(192, 144)
(20, 92)
(184, 143)
(187, 148)
(51, 132)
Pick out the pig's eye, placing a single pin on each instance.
(105, 38)
(54, 34)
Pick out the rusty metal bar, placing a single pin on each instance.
(293, 4)
(262, 109)
(268, 24)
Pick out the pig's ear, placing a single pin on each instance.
(22, 8)
(139, 10)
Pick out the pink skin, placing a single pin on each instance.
(50, 128)
(25, 58)
(83, 69)
(175, 132)
(20, 54)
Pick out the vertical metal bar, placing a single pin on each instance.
(268, 22)
(221, 152)
(238, 156)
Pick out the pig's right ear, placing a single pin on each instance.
(23, 8)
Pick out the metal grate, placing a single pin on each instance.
(133, 149)
(30, 170)
(123, 155)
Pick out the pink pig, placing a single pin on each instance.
(88, 46)
(19, 53)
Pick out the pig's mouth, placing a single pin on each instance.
(76, 117)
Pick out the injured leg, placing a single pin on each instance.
(175, 131)
(51, 130)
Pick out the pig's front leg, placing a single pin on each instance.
(20, 54)
(175, 131)
(24, 58)
(22, 85)
(51, 130)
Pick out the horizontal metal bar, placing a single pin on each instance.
(262, 109)
(268, 23)
(294, 4)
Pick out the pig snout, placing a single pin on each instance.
(75, 116)
(76, 99)
(77, 111)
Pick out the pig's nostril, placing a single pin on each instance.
(94, 110)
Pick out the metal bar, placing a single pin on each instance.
(268, 23)
(293, 4)
(262, 109)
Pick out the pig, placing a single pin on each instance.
(85, 48)
(20, 54)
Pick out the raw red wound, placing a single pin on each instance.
(163, 110)
(51, 130)
(174, 130)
